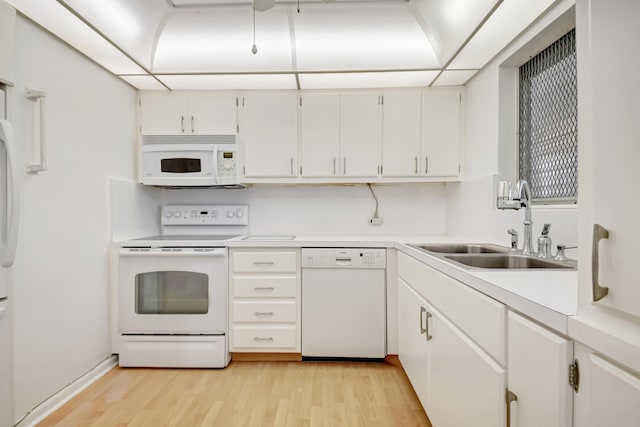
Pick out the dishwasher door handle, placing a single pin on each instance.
(343, 261)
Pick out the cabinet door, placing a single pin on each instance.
(467, 387)
(609, 395)
(360, 134)
(269, 132)
(441, 131)
(401, 133)
(163, 113)
(538, 363)
(320, 134)
(213, 114)
(609, 149)
(413, 347)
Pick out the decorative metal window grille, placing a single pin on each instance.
(548, 134)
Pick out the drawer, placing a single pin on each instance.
(264, 337)
(265, 312)
(265, 262)
(480, 317)
(264, 286)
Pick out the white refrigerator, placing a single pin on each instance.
(9, 213)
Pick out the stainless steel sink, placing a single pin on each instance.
(461, 248)
(509, 261)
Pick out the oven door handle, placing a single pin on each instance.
(184, 252)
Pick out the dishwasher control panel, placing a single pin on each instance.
(373, 258)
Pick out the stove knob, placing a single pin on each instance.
(239, 213)
(167, 214)
(177, 214)
(230, 214)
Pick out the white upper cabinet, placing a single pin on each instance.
(401, 134)
(441, 131)
(360, 134)
(538, 363)
(269, 132)
(167, 113)
(320, 134)
(609, 149)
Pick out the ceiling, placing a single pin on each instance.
(314, 44)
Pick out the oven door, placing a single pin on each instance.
(172, 291)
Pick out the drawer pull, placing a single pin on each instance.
(263, 313)
(263, 263)
(263, 338)
(264, 288)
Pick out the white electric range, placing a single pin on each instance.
(173, 289)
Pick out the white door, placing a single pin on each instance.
(401, 133)
(213, 114)
(467, 387)
(538, 363)
(269, 132)
(441, 131)
(320, 134)
(609, 394)
(360, 134)
(609, 150)
(413, 347)
(163, 113)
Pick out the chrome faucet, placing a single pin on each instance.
(521, 199)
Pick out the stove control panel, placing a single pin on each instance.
(205, 215)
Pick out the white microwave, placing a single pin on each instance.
(183, 162)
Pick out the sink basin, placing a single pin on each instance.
(268, 237)
(509, 261)
(462, 248)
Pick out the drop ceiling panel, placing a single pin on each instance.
(506, 23)
(221, 41)
(378, 37)
(367, 80)
(454, 77)
(229, 81)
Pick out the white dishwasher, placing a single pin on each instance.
(344, 303)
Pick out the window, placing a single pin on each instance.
(548, 123)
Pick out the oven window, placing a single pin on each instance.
(172, 292)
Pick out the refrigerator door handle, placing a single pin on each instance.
(8, 247)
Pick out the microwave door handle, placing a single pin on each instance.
(8, 247)
(215, 164)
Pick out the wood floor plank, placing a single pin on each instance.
(279, 394)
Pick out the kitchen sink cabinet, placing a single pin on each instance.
(264, 301)
(441, 132)
(608, 393)
(269, 134)
(401, 134)
(177, 113)
(538, 362)
(457, 381)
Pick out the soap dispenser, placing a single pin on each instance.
(544, 242)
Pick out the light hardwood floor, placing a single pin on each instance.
(248, 394)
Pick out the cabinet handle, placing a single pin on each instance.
(427, 326)
(334, 165)
(599, 233)
(263, 338)
(192, 125)
(422, 328)
(263, 313)
(263, 263)
(416, 165)
(344, 166)
(264, 288)
(426, 165)
(510, 398)
(182, 123)
(292, 166)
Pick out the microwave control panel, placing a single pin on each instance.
(205, 215)
(227, 160)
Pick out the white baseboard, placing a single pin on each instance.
(53, 403)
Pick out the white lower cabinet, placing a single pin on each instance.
(608, 393)
(538, 362)
(456, 380)
(265, 301)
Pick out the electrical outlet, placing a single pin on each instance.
(375, 221)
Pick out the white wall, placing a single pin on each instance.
(60, 275)
(471, 204)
